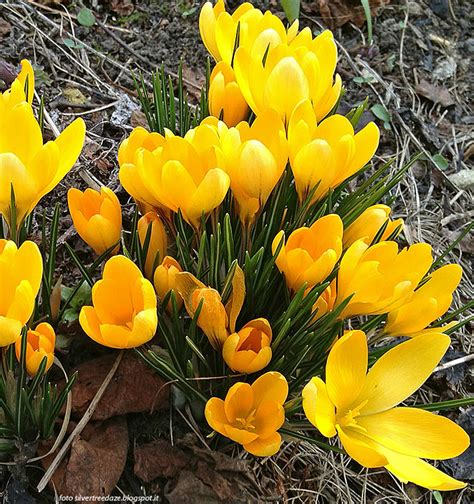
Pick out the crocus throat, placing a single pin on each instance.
(348, 418)
(247, 422)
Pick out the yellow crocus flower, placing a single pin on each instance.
(158, 241)
(26, 165)
(380, 278)
(324, 155)
(290, 75)
(40, 344)
(428, 303)
(369, 223)
(97, 217)
(361, 408)
(252, 29)
(21, 270)
(311, 253)
(254, 157)
(251, 414)
(21, 90)
(248, 350)
(164, 280)
(173, 172)
(225, 98)
(124, 313)
(213, 319)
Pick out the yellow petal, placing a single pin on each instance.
(346, 369)
(271, 386)
(355, 447)
(237, 297)
(215, 414)
(318, 408)
(264, 447)
(416, 432)
(401, 371)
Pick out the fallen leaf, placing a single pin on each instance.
(96, 460)
(7, 72)
(138, 118)
(122, 7)
(74, 96)
(336, 13)
(135, 387)
(189, 489)
(436, 94)
(158, 459)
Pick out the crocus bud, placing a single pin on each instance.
(213, 319)
(225, 98)
(248, 350)
(164, 280)
(157, 243)
(21, 270)
(40, 344)
(310, 253)
(325, 302)
(369, 223)
(97, 217)
(124, 313)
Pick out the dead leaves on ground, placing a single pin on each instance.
(336, 13)
(194, 474)
(135, 388)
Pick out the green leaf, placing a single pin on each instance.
(291, 8)
(381, 113)
(368, 18)
(440, 161)
(437, 497)
(86, 17)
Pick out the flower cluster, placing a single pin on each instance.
(273, 291)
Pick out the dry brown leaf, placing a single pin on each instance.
(96, 460)
(135, 388)
(138, 118)
(336, 13)
(158, 459)
(436, 94)
(122, 7)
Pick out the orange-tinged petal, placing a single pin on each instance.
(264, 447)
(239, 401)
(270, 386)
(215, 414)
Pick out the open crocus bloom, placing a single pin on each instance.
(324, 155)
(31, 168)
(360, 408)
(251, 414)
(310, 253)
(254, 30)
(380, 278)
(40, 344)
(97, 217)
(21, 270)
(248, 350)
(289, 75)
(428, 303)
(123, 314)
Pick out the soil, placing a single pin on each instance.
(417, 75)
